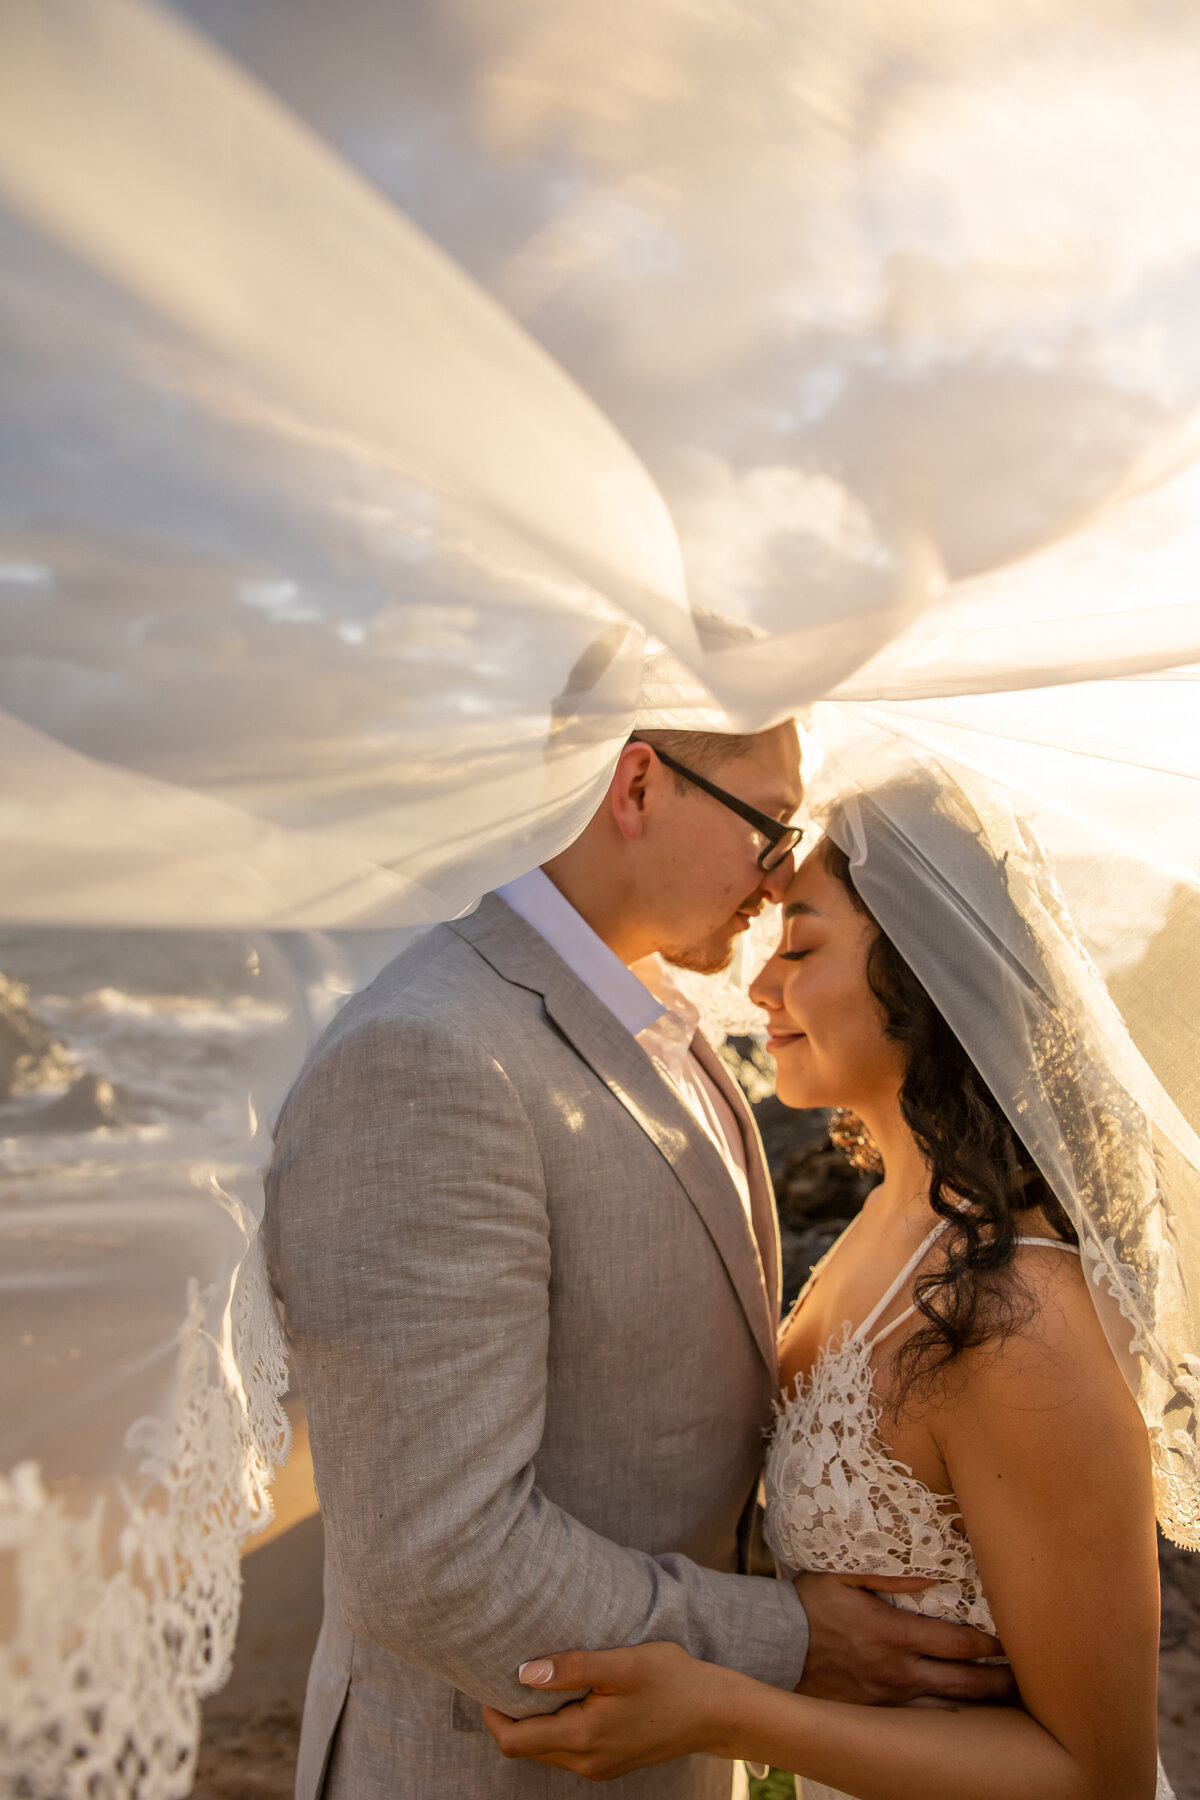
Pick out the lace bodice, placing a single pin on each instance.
(836, 1500)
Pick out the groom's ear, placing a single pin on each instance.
(629, 787)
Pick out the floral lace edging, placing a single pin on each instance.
(125, 1617)
(1174, 1448)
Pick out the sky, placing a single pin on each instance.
(892, 304)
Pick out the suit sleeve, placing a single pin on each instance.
(408, 1239)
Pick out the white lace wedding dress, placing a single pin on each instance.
(836, 1500)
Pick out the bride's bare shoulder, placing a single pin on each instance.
(1051, 1359)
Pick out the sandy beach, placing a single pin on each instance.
(251, 1728)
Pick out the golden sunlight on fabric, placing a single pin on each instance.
(401, 402)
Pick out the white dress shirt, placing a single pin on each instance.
(652, 1008)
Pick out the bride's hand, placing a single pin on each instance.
(647, 1704)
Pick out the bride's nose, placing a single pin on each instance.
(766, 990)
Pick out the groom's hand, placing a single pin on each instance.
(863, 1650)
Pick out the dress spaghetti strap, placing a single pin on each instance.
(901, 1318)
(894, 1287)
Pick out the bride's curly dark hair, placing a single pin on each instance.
(982, 1178)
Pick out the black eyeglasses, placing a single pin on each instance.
(781, 839)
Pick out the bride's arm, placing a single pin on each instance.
(654, 1702)
(1047, 1453)
(1048, 1457)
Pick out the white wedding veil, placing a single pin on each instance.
(397, 402)
(958, 880)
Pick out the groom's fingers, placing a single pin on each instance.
(926, 1636)
(943, 1639)
(864, 1650)
(965, 1681)
(923, 1635)
(889, 1584)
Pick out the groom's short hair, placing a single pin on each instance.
(703, 751)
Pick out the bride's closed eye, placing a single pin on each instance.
(793, 955)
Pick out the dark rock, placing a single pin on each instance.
(817, 1185)
(817, 1191)
(88, 1104)
(41, 1088)
(30, 1056)
(1179, 1669)
(785, 1129)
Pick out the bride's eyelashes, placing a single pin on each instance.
(793, 955)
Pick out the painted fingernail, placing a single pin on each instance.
(536, 1674)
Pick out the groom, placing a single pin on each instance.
(522, 1234)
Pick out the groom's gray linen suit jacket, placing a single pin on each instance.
(536, 1338)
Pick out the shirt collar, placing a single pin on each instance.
(655, 975)
(534, 898)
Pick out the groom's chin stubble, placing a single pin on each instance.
(700, 961)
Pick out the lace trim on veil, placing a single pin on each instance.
(960, 883)
(126, 1614)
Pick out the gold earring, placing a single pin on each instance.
(848, 1133)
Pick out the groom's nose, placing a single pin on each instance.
(775, 884)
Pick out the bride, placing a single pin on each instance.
(953, 1409)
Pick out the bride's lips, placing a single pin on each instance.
(779, 1040)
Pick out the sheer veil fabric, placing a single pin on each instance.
(964, 888)
(393, 411)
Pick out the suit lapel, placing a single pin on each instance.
(763, 1212)
(515, 951)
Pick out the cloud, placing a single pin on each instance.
(771, 547)
(933, 250)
